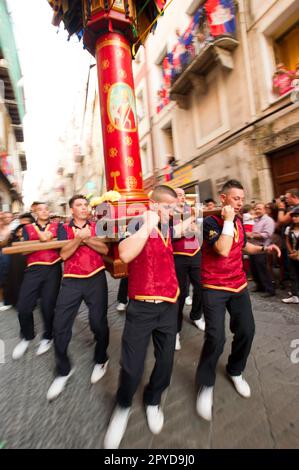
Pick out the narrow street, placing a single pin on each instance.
(79, 418)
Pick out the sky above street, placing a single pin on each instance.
(54, 70)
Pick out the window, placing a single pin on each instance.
(145, 161)
(286, 52)
(140, 106)
(286, 48)
(168, 143)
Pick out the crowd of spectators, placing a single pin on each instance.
(275, 222)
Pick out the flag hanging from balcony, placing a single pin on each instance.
(221, 16)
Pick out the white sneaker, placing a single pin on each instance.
(204, 402)
(44, 346)
(178, 346)
(200, 324)
(117, 427)
(98, 372)
(289, 300)
(241, 385)
(58, 386)
(155, 418)
(188, 300)
(121, 307)
(20, 349)
(5, 307)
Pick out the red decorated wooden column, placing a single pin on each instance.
(109, 35)
(119, 117)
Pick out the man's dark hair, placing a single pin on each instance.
(206, 201)
(75, 197)
(230, 184)
(163, 189)
(37, 203)
(27, 215)
(294, 192)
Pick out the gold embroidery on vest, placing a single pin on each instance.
(236, 232)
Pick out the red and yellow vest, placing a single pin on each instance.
(219, 272)
(85, 262)
(186, 246)
(45, 257)
(152, 273)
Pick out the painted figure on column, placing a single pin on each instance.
(121, 107)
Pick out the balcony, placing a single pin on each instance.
(198, 64)
(23, 161)
(10, 101)
(18, 130)
(12, 108)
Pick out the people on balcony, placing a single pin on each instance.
(162, 98)
(282, 80)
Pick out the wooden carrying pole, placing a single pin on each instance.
(34, 245)
(30, 247)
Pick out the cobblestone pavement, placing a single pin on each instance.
(79, 417)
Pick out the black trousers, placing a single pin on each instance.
(40, 281)
(94, 292)
(294, 273)
(215, 304)
(14, 279)
(122, 295)
(143, 321)
(260, 273)
(188, 268)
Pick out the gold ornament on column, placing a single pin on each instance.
(113, 152)
(130, 161)
(105, 64)
(131, 182)
(110, 128)
(122, 74)
(115, 175)
(128, 141)
(107, 87)
(120, 53)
